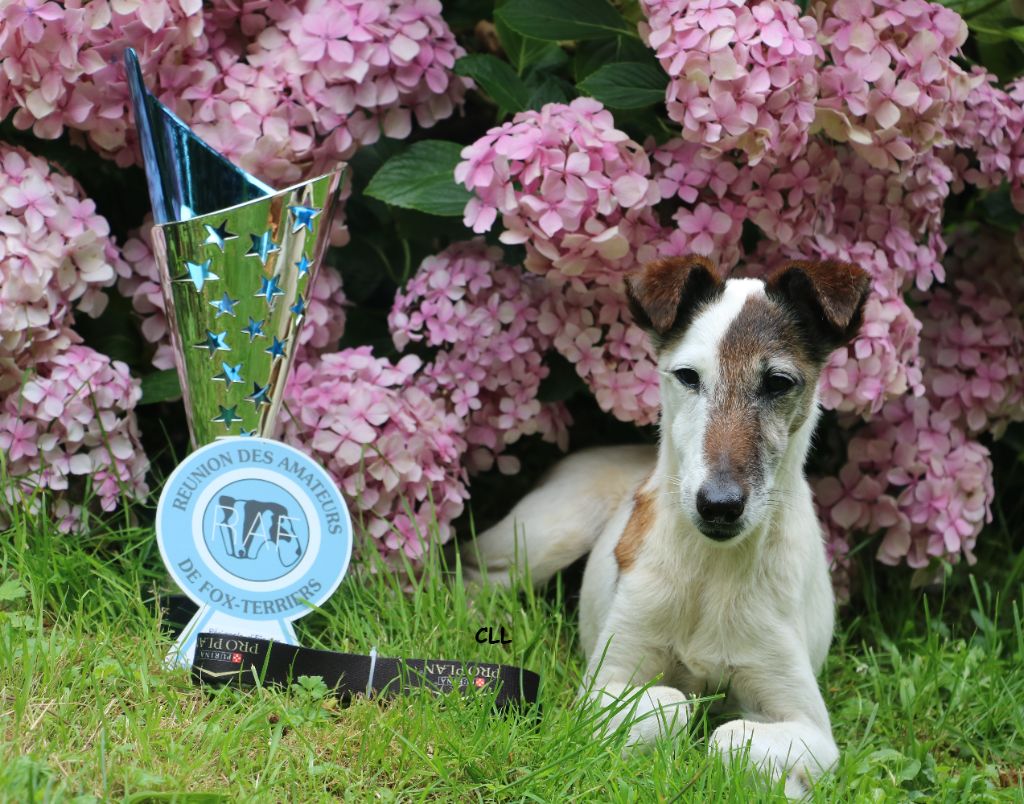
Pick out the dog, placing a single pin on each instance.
(707, 568)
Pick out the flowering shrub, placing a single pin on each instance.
(750, 132)
(281, 90)
(568, 184)
(484, 316)
(742, 76)
(56, 255)
(393, 448)
(70, 426)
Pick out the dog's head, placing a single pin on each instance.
(740, 362)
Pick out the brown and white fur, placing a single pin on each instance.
(707, 570)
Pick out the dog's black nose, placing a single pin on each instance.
(720, 501)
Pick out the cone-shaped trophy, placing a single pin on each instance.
(252, 530)
(237, 260)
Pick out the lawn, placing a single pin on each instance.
(926, 691)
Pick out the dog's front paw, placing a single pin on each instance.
(650, 714)
(799, 751)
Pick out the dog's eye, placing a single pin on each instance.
(689, 378)
(778, 384)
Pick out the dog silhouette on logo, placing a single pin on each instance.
(266, 526)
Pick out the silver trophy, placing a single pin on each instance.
(254, 541)
(237, 262)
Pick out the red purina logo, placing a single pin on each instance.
(236, 658)
(480, 681)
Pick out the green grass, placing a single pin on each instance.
(926, 694)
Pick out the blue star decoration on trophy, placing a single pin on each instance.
(198, 273)
(215, 342)
(225, 305)
(276, 349)
(303, 217)
(254, 329)
(259, 395)
(230, 374)
(218, 235)
(262, 246)
(269, 289)
(228, 416)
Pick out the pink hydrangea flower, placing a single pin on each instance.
(568, 184)
(592, 328)
(973, 338)
(993, 128)
(392, 447)
(483, 316)
(63, 63)
(56, 256)
(70, 429)
(890, 86)
(742, 75)
(913, 474)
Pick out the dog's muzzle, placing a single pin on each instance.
(720, 505)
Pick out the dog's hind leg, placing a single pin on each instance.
(561, 519)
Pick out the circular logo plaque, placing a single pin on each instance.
(256, 534)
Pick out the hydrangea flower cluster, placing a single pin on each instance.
(70, 428)
(319, 79)
(914, 475)
(993, 128)
(56, 256)
(916, 472)
(483, 317)
(62, 63)
(591, 328)
(569, 185)
(390, 444)
(973, 336)
(578, 193)
(890, 85)
(281, 89)
(742, 75)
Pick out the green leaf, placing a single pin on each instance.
(550, 90)
(497, 79)
(988, 33)
(590, 56)
(422, 178)
(626, 85)
(160, 386)
(523, 51)
(562, 20)
(11, 590)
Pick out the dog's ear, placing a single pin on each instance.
(827, 297)
(664, 295)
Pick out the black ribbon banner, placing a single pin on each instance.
(226, 658)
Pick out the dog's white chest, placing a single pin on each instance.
(703, 661)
